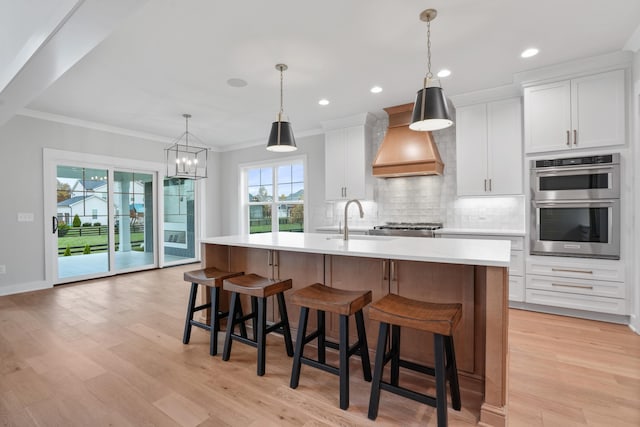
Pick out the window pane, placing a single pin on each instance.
(266, 176)
(264, 193)
(284, 174)
(260, 219)
(297, 172)
(290, 217)
(253, 177)
(284, 191)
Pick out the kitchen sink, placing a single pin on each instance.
(360, 237)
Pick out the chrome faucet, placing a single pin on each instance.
(346, 208)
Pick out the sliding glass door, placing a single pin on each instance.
(179, 220)
(133, 230)
(81, 223)
(106, 215)
(89, 243)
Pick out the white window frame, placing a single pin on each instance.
(244, 193)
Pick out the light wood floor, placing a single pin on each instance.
(109, 353)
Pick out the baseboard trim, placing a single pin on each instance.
(583, 314)
(24, 287)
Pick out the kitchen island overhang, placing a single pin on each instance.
(472, 272)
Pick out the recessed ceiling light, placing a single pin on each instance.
(444, 73)
(376, 89)
(237, 82)
(528, 53)
(323, 102)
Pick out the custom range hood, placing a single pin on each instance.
(405, 152)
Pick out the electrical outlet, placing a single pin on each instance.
(25, 217)
(3, 269)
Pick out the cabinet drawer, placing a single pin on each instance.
(591, 269)
(576, 301)
(577, 286)
(516, 288)
(516, 266)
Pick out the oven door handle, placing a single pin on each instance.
(591, 202)
(571, 170)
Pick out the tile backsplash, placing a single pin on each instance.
(430, 198)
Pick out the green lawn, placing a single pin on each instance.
(63, 242)
(283, 227)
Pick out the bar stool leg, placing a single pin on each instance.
(262, 341)
(364, 348)
(284, 318)
(395, 354)
(374, 400)
(254, 319)
(344, 361)
(215, 321)
(231, 323)
(441, 380)
(192, 303)
(452, 371)
(322, 348)
(302, 333)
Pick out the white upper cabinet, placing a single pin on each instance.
(347, 163)
(585, 112)
(489, 148)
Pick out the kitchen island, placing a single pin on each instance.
(471, 272)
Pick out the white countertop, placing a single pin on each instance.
(496, 253)
(481, 231)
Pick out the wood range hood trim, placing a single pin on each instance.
(405, 152)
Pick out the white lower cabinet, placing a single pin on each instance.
(516, 266)
(589, 284)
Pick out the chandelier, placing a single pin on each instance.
(184, 159)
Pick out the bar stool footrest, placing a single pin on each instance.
(353, 349)
(409, 394)
(320, 365)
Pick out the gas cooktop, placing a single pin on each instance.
(412, 229)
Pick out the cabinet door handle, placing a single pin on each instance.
(490, 184)
(571, 270)
(385, 276)
(485, 185)
(575, 137)
(567, 285)
(568, 138)
(269, 256)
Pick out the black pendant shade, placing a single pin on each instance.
(430, 112)
(281, 137)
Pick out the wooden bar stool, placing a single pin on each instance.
(211, 277)
(259, 289)
(344, 303)
(439, 319)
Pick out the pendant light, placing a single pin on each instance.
(184, 159)
(281, 137)
(430, 111)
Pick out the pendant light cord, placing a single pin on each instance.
(429, 74)
(281, 97)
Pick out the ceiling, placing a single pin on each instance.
(169, 57)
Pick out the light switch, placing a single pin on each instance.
(25, 217)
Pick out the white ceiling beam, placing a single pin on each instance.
(85, 26)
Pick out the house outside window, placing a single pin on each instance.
(274, 196)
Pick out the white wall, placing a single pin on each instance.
(22, 140)
(230, 161)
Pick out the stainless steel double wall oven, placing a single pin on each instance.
(575, 206)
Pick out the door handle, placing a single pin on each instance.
(54, 224)
(385, 276)
(568, 138)
(575, 137)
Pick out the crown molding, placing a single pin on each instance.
(579, 67)
(486, 95)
